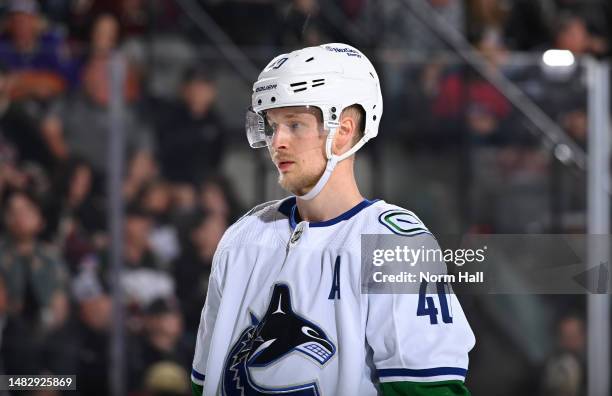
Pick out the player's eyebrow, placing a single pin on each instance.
(289, 116)
(294, 115)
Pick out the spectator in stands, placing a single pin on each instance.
(104, 40)
(156, 199)
(11, 176)
(141, 278)
(571, 33)
(40, 59)
(89, 106)
(86, 352)
(133, 15)
(104, 36)
(565, 371)
(487, 16)
(184, 197)
(572, 336)
(137, 247)
(84, 345)
(142, 170)
(466, 95)
(21, 129)
(560, 91)
(200, 238)
(190, 134)
(402, 30)
(28, 266)
(164, 337)
(78, 189)
(575, 123)
(35, 281)
(166, 379)
(82, 123)
(217, 197)
(92, 336)
(77, 215)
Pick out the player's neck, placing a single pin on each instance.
(339, 195)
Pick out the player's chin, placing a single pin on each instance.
(285, 182)
(290, 184)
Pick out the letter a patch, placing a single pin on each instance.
(334, 293)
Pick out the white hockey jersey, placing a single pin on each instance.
(285, 313)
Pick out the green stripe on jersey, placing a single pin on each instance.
(439, 388)
(196, 390)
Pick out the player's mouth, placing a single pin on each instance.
(284, 166)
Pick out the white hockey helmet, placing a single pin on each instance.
(330, 77)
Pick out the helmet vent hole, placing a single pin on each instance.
(374, 118)
(318, 82)
(310, 59)
(299, 84)
(259, 102)
(273, 99)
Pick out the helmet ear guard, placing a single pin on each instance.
(332, 133)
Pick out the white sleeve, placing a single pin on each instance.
(418, 337)
(207, 323)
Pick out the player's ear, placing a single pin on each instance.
(344, 135)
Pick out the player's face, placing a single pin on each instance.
(298, 147)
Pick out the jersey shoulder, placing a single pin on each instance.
(253, 223)
(393, 219)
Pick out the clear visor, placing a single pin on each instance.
(259, 132)
(296, 120)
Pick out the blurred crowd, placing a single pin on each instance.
(55, 281)
(55, 276)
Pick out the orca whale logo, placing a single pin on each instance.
(280, 332)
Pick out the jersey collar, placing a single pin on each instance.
(289, 208)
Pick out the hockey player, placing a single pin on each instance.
(285, 313)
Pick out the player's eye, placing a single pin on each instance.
(294, 126)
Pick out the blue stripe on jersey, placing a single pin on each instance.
(346, 215)
(197, 375)
(286, 205)
(430, 372)
(289, 209)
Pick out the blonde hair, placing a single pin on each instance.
(357, 112)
